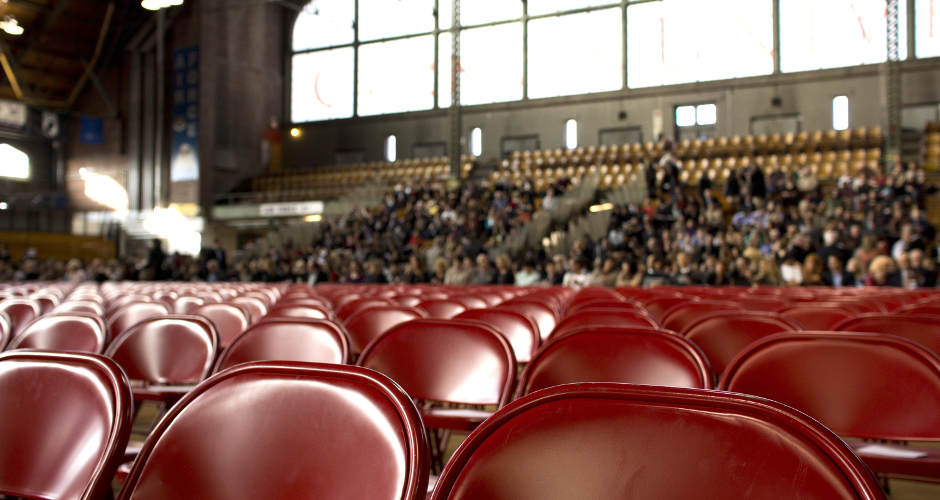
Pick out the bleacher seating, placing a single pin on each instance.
(826, 153)
(462, 369)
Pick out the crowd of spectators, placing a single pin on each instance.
(782, 228)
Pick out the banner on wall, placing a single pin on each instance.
(184, 160)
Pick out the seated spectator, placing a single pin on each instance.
(578, 276)
(836, 275)
(504, 274)
(812, 270)
(883, 272)
(791, 272)
(527, 275)
(605, 274)
(483, 274)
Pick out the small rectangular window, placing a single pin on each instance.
(14, 164)
(476, 141)
(571, 134)
(391, 148)
(706, 114)
(840, 112)
(685, 116)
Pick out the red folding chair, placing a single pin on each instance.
(722, 335)
(286, 430)
(618, 441)
(65, 421)
(520, 330)
(309, 311)
(133, 313)
(366, 326)
(816, 317)
(442, 309)
(287, 339)
(21, 312)
(230, 320)
(256, 307)
(921, 328)
(75, 332)
(862, 385)
(630, 318)
(608, 354)
(187, 304)
(80, 306)
(680, 316)
(542, 314)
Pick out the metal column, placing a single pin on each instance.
(893, 86)
(455, 148)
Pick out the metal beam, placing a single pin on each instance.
(105, 25)
(108, 102)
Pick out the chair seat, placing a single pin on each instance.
(457, 419)
(926, 466)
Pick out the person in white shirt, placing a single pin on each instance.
(578, 276)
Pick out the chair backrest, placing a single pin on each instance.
(288, 339)
(76, 332)
(441, 308)
(187, 304)
(618, 441)
(658, 305)
(359, 305)
(604, 317)
(445, 360)
(176, 349)
(921, 328)
(229, 320)
(21, 312)
(134, 313)
(407, 300)
(542, 314)
(80, 306)
(608, 303)
(66, 419)
(519, 329)
(295, 430)
(366, 326)
(256, 307)
(471, 302)
(298, 311)
(680, 316)
(885, 387)
(757, 303)
(722, 335)
(606, 354)
(814, 317)
(931, 308)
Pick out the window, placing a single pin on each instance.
(588, 58)
(322, 85)
(692, 115)
(396, 76)
(478, 12)
(391, 148)
(927, 27)
(388, 18)
(14, 163)
(571, 134)
(840, 112)
(835, 33)
(678, 41)
(490, 66)
(324, 23)
(539, 7)
(476, 141)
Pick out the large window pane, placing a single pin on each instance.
(324, 23)
(588, 58)
(927, 27)
(491, 65)
(676, 41)
(834, 33)
(388, 18)
(479, 12)
(396, 76)
(14, 163)
(538, 7)
(322, 85)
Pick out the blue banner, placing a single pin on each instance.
(91, 130)
(184, 158)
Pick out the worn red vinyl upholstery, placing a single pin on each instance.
(75, 332)
(622, 441)
(610, 354)
(64, 421)
(864, 385)
(286, 430)
(288, 339)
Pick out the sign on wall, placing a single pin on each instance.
(91, 130)
(184, 164)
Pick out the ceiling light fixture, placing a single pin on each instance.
(11, 26)
(159, 4)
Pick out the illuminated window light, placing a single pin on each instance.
(13, 162)
(11, 26)
(603, 207)
(313, 218)
(104, 190)
(3, 205)
(159, 4)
